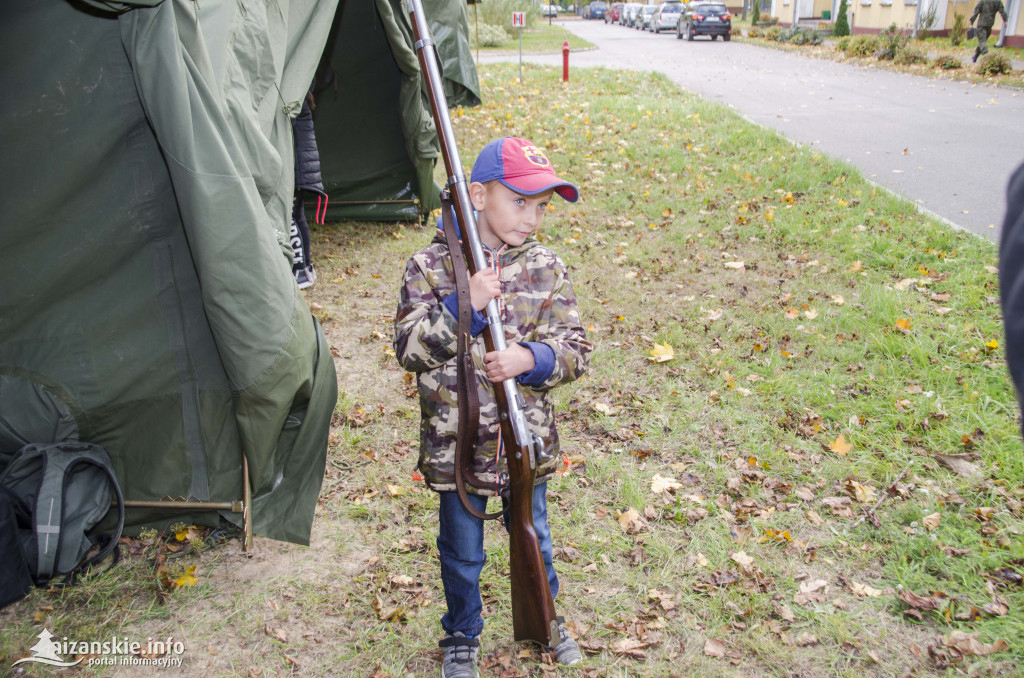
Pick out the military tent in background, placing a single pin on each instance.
(147, 300)
(377, 142)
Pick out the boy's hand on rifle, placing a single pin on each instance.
(513, 361)
(484, 286)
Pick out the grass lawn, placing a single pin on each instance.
(943, 45)
(797, 450)
(932, 47)
(541, 39)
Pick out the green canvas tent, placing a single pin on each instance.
(147, 300)
(368, 85)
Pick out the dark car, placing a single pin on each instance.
(597, 10)
(705, 18)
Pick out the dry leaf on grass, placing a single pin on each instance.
(917, 602)
(662, 353)
(743, 560)
(275, 633)
(840, 446)
(997, 607)
(811, 591)
(805, 493)
(630, 647)
(631, 521)
(714, 648)
(931, 522)
(862, 493)
(863, 590)
(968, 644)
(959, 464)
(806, 638)
(814, 518)
(661, 484)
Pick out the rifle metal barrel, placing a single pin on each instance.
(457, 181)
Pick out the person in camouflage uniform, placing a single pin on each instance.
(512, 183)
(985, 12)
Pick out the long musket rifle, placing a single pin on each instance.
(533, 608)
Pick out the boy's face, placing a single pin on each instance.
(506, 216)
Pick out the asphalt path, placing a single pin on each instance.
(948, 146)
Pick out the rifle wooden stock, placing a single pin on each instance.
(533, 608)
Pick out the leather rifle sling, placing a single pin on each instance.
(468, 400)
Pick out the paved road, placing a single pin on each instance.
(948, 146)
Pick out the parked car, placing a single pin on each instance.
(549, 10)
(613, 13)
(705, 18)
(666, 17)
(643, 17)
(629, 13)
(598, 9)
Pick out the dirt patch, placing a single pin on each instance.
(262, 607)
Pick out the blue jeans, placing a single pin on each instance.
(460, 542)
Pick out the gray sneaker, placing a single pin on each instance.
(460, 656)
(305, 277)
(567, 652)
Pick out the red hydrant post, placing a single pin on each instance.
(565, 61)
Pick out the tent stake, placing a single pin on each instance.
(244, 506)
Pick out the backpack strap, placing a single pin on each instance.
(49, 508)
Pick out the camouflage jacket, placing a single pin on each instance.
(985, 12)
(537, 305)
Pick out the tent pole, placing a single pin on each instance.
(247, 506)
(233, 506)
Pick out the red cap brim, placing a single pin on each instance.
(532, 184)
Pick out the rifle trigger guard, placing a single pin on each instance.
(538, 444)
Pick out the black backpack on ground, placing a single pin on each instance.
(15, 580)
(55, 494)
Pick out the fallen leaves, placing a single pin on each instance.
(186, 578)
(662, 353)
(811, 591)
(931, 521)
(863, 590)
(713, 647)
(960, 464)
(661, 484)
(840, 446)
(959, 645)
(631, 521)
(861, 492)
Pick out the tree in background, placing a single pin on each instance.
(958, 33)
(755, 15)
(842, 26)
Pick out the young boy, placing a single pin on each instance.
(511, 184)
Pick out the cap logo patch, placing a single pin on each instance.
(536, 156)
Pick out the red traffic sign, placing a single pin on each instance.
(518, 19)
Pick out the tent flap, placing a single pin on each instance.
(154, 297)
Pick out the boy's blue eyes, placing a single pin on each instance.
(519, 202)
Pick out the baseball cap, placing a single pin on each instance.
(521, 167)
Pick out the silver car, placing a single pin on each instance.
(629, 11)
(666, 16)
(643, 17)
